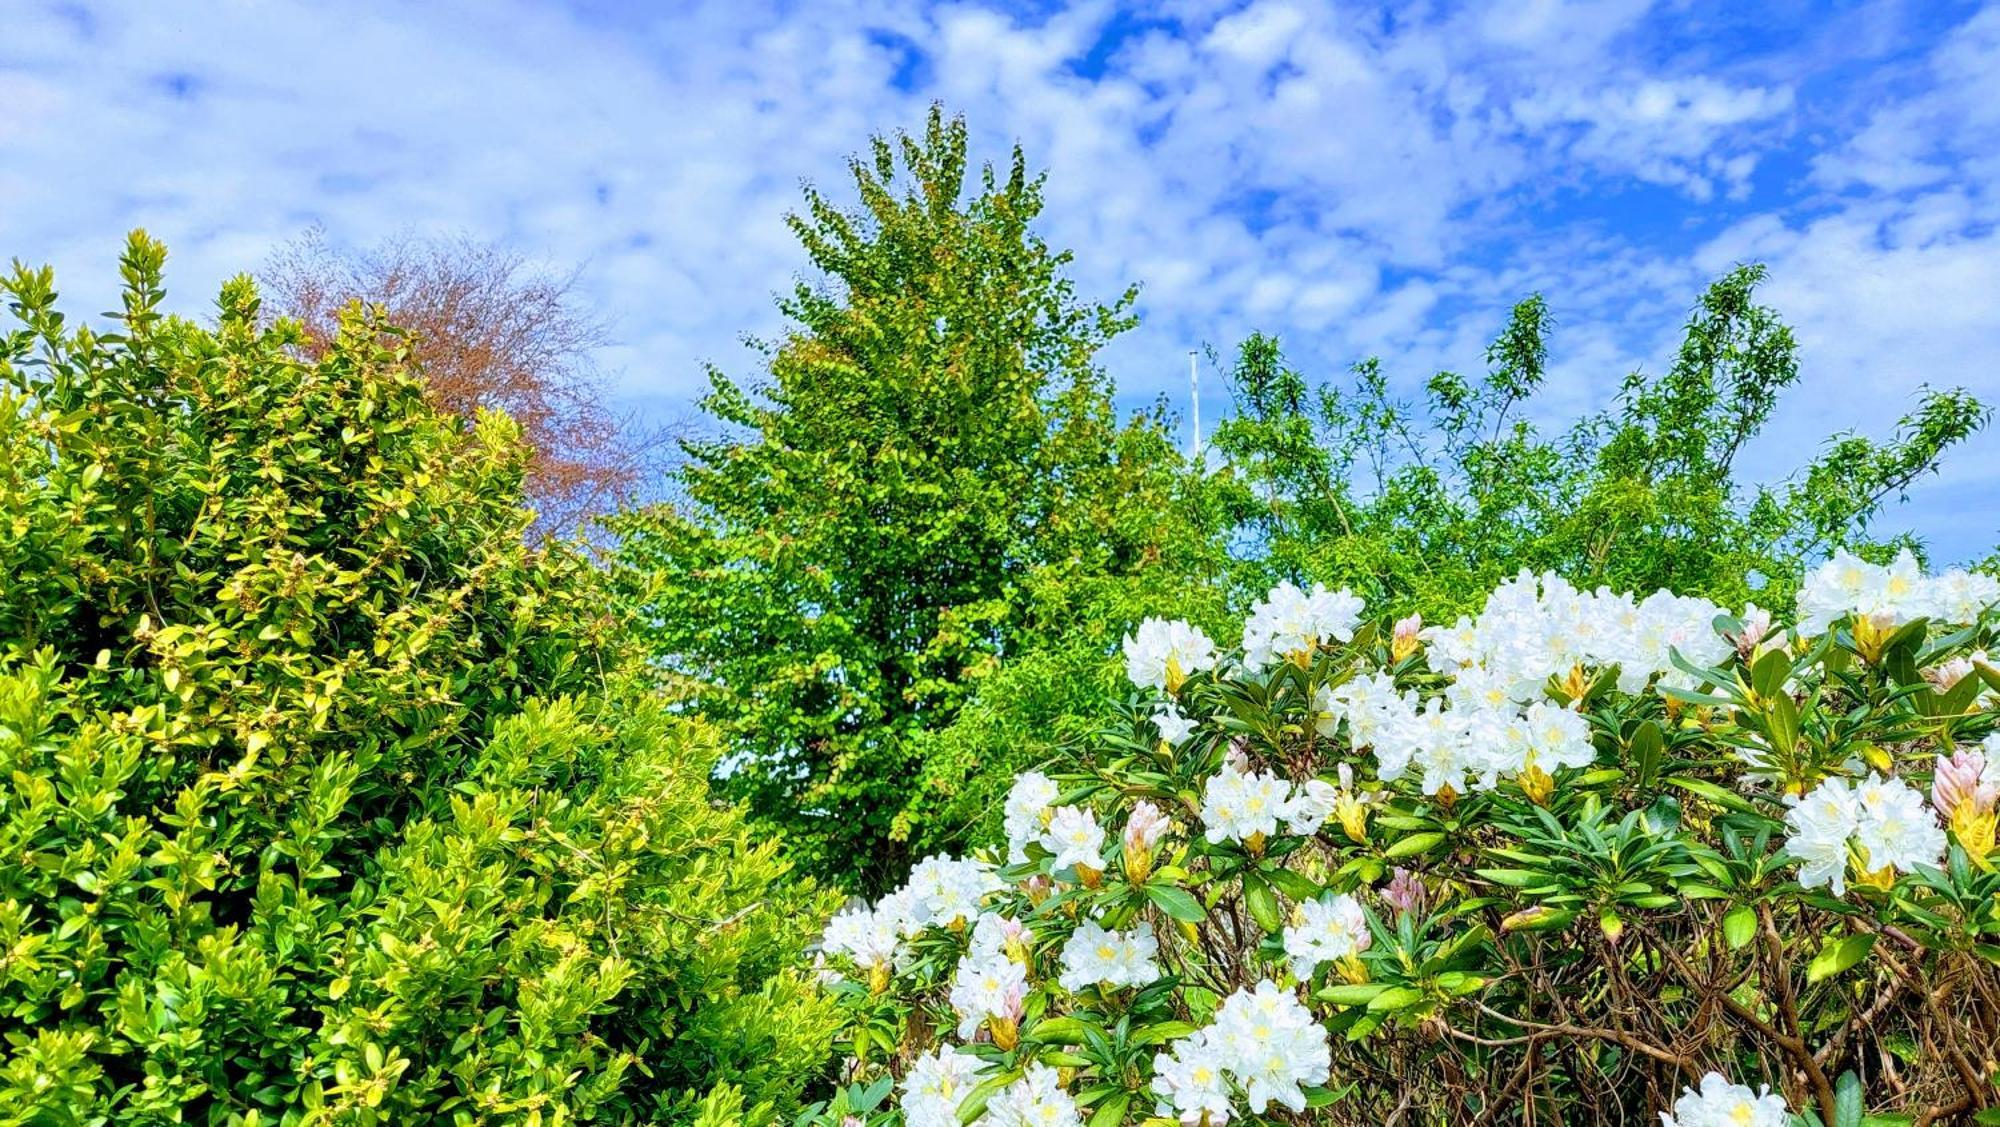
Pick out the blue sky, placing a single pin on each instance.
(1359, 180)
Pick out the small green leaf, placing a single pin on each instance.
(1739, 926)
(1395, 998)
(1838, 955)
(1175, 902)
(1413, 845)
(1262, 902)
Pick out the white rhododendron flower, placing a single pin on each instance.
(1558, 737)
(984, 987)
(1037, 1099)
(1236, 806)
(1366, 703)
(1820, 825)
(1289, 622)
(1163, 651)
(1027, 812)
(1190, 1082)
(1719, 1103)
(1310, 806)
(1536, 627)
(946, 891)
(997, 936)
(1094, 956)
(1075, 838)
(1272, 1045)
(937, 1084)
(1890, 821)
(1173, 726)
(1146, 827)
(1959, 596)
(1887, 597)
(869, 936)
(1896, 825)
(1326, 930)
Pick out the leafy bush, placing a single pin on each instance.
(1576, 858)
(325, 798)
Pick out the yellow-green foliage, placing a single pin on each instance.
(322, 797)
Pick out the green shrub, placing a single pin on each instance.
(1584, 858)
(325, 798)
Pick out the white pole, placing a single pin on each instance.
(1194, 393)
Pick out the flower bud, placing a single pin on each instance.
(1536, 783)
(1405, 892)
(1143, 832)
(1407, 636)
(1966, 792)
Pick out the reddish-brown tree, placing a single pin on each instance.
(489, 330)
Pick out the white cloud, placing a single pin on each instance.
(1359, 181)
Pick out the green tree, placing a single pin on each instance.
(1418, 503)
(852, 555)
(322, 796)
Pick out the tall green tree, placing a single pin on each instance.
(853, 552)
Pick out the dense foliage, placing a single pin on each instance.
(868, 536)
(323, 797)
(897, 573)
(1581, 858)
(1423, 505)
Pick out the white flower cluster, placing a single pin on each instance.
(1072, 833)
(987, 985)
(1722, 1104)
(1466, 740)
(937, 1083)
(1027, 812)
(1534, 627)
(1238, 805)
(1890, 596)
(1162, 652)
(871, 936)
(1264, 1039)
(1290, 622)
(1326, 930)
(1886, 819)
(941, 892)
(1037, 1099)
(1094, 956)
(1492, 721)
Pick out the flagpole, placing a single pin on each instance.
(1194, 394)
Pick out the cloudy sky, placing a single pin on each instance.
(1360, 180)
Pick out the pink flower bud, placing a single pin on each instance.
(1959, 783)
(1946, 676)
(1145, 828)
(1405, 892)
(1238, 758)
(1409, 629)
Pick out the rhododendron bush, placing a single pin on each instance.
(1589, 856)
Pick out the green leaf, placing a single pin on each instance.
(1413, 845)
(1395, 998)
(1837, 955)
(1262, 902)
(1351, 994)
(1175, 902)
(1739, 926)
(1847, 1105)
(1767, 677)
(1111, 1112)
